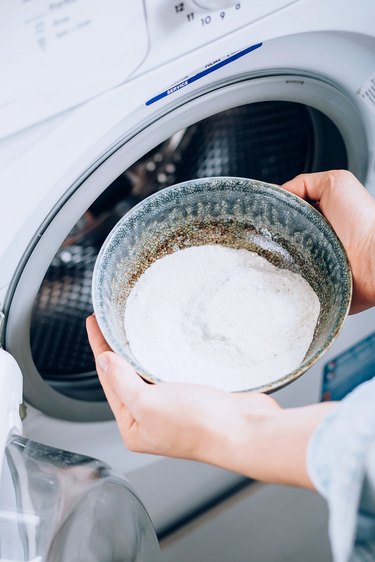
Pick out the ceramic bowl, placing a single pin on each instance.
(235, 212)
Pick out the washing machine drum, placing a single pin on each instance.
(57, 506)
(271, 141)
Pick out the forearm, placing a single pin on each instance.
(270, 448)
(369, 272)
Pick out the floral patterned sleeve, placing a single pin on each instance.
(341, 465)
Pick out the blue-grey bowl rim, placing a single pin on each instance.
(266, 388)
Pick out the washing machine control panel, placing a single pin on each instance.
(57, 54)
(178, 27)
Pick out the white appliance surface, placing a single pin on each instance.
(197, 62)
(68, 52)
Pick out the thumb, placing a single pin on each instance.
(119, 380)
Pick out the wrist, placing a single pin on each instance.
(372, 267)
(267, 443)
(363, 274)
(245, 421)
(285, 443)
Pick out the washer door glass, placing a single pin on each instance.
(57, 506)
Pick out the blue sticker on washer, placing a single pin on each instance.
(349, 369)
(219, 63)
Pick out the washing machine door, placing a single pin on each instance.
(58, 506)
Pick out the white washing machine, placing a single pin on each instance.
(201, 87)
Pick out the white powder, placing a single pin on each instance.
(219, 316)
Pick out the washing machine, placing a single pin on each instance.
(197, 88)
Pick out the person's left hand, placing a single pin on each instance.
(181, 420)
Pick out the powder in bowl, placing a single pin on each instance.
(220, 316)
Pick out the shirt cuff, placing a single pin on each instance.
(336, 463)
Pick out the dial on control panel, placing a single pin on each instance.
(213, 4)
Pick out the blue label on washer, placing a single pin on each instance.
(349, 369)
(219, 63)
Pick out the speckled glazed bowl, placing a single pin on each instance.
(235, 212)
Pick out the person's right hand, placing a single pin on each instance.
(351, 211)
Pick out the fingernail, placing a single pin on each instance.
(103, 362)
(93, 314)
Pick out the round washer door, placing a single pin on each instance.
(270, 128)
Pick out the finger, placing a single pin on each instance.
(336, 184)
(115, 369)
(310, 186)
(99, 346)
(121, 383)
(96, 339)
(113, 400)
(342, 199)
